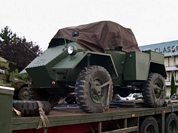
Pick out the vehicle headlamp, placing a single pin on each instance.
(72, 50)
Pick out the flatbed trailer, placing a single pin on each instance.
(117, 119)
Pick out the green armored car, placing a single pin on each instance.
(95, 62)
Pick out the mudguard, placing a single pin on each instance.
(102, 59)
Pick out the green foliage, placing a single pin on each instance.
(173, 86)
(17, 50)
(20, 76)
(8, 36)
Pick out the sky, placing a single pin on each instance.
(152, 21)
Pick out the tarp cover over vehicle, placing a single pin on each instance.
(98, 37)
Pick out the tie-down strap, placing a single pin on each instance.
(44, 122)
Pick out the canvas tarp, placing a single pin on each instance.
(98, 37)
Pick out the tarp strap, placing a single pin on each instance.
(172, 107)
(44, 122)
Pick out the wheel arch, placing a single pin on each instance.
(104, 60)
(18, 85)
(82, 59)
(24, 85)
(158, 68)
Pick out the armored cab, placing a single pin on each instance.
(93, 62)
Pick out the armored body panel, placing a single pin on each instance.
(94, 61)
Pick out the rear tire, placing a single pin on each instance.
(149, 125)
(89, 96)
(30, 108)
(171, 124)
(154, 90)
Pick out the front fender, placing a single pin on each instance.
(70, 62)
(87, 58)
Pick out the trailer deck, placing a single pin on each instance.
(121, 117)
(74, 116)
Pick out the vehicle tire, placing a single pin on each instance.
(31, 94)
(43, 95)
(30, 108)
(149, 125)
(171, 124)
(89, 96)
(23, 93)
(154, 90)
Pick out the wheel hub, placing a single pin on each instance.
(24, 94)
(96, 90)
(157, 91)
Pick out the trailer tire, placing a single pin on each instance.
(150, 125)
(154, 91)
(171, 124)
(30, 108)
(89, 96)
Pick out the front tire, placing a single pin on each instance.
(154, 91)
(94, 89)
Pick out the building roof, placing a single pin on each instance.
(169, 48)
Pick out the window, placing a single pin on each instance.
(176, 76)
(166, 61)
(176, 60)
(171, 61)
(168, 77)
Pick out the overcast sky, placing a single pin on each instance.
(152, 21)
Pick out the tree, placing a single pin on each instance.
(173, 86)
(16, 49)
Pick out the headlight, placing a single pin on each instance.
(72, 50)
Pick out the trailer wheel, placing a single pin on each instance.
(30, 108)
(149, 125)
(154, 90)
(23, 93)
(94, 89)
(171, 125)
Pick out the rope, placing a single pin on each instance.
(44, 122)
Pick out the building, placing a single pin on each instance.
(170, 51)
